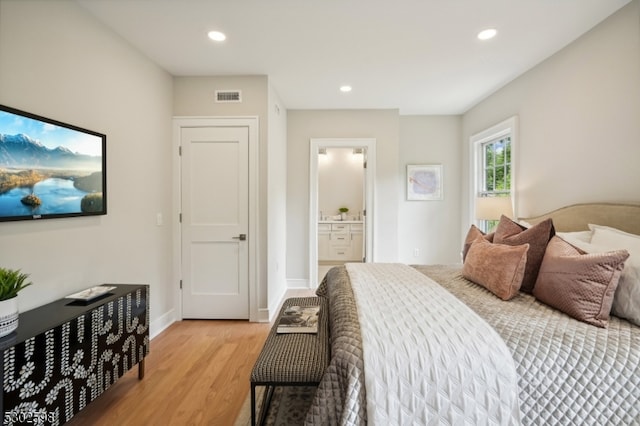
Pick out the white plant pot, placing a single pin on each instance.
(8, 316)
(343, 216)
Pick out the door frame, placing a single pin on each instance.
(251, 122)
(370, 173)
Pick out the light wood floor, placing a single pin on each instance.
(197, 373)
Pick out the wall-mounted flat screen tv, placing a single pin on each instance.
(49, 169)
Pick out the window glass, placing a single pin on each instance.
(496, 169)
(493, 171)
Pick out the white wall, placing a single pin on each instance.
(431, 227)
(579, 121)
(57, 61)
(340, 182)
(303, 125)
(277, 202)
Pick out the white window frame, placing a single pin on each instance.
(506, 128)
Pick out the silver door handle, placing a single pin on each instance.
(241, 237)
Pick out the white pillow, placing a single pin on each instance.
(626, 301)
(585, 246)
(584, 236)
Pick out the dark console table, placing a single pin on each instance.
(65, 354)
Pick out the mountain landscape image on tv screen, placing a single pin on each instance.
(48, 168)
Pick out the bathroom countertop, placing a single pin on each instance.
(340, 221)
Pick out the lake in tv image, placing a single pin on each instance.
(57, 196)
(47, 168)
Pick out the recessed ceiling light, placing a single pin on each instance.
(487, 34)
(345, 89)
(217, 36)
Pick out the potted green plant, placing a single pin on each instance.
(11, 282)
(343, 212)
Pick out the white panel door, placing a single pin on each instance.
(215, 222)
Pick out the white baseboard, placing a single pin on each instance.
(268, 314)
(264, 315)
(274, 306)
(297, 283)
(162, 323)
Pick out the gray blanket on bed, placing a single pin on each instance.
(570, 373)
(340, 398)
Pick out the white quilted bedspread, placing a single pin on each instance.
(428, 358)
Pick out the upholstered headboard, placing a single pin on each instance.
(577, 217)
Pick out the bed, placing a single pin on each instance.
(422, 344)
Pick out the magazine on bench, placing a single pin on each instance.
(299, 319)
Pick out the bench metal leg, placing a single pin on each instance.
(253, 404)
(266, 402)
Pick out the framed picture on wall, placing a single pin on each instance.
(424, 182)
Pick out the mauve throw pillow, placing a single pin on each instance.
(580, 285)
(474, 233)
(497, 267)
(513, 234)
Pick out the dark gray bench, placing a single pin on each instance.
(295, 359)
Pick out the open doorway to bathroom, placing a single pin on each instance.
(341, 178)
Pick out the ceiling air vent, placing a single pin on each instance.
(228, 96)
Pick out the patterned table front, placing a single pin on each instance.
(51, 376)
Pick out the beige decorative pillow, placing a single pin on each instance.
(580, 285)
(474, 233)
(513, 234)
(497, 267)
